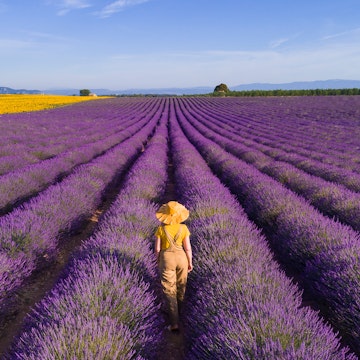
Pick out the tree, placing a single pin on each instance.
(85, 92)
(221, 88)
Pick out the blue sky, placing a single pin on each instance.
(127, 44)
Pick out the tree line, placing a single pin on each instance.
(223, 90)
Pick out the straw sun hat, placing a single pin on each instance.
(172, 213)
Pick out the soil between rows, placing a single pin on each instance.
(172, 346)
(41, 282)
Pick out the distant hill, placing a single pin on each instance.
(301, 85)
(7, 90)
(305, 85)
(154, 91)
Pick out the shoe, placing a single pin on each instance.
(172, 329)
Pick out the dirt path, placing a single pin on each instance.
(172, 346)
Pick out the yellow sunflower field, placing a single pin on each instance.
(22, 103)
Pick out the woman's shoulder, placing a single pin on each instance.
(185, 229)
(159, 230)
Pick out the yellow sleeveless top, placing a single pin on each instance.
(172, 230)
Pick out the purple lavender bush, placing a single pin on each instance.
(324, 129)
(36, 136)
(281, 137)
(29, 180)
(297, 231)
(32, 231)
(101, 310)
(239, 304)
(330, 198)
(105, 305)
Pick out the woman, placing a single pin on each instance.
(174, 255)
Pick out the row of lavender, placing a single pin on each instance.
(239, 304)
(27, 181)
(31, 232)
(324, 253)
(27, 138)
(105, 305)
(299, 124)
(269, 134)
(330, 198)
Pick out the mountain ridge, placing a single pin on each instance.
(6, 90)
(302, 85)
(298, 85)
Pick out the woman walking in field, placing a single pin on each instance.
(174, 255)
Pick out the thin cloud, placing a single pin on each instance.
(193, 57)
(69, 5)
(274, 66)
(118, 6)
(32, 42)
(15, 44)
(341, 34)
(276, 43)
(42, 36)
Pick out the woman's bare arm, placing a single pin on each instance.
(188, 252)
(157, 247)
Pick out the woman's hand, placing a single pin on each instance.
(188, 252)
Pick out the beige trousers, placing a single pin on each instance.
(173, 266)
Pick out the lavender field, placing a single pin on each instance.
(273, 189)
